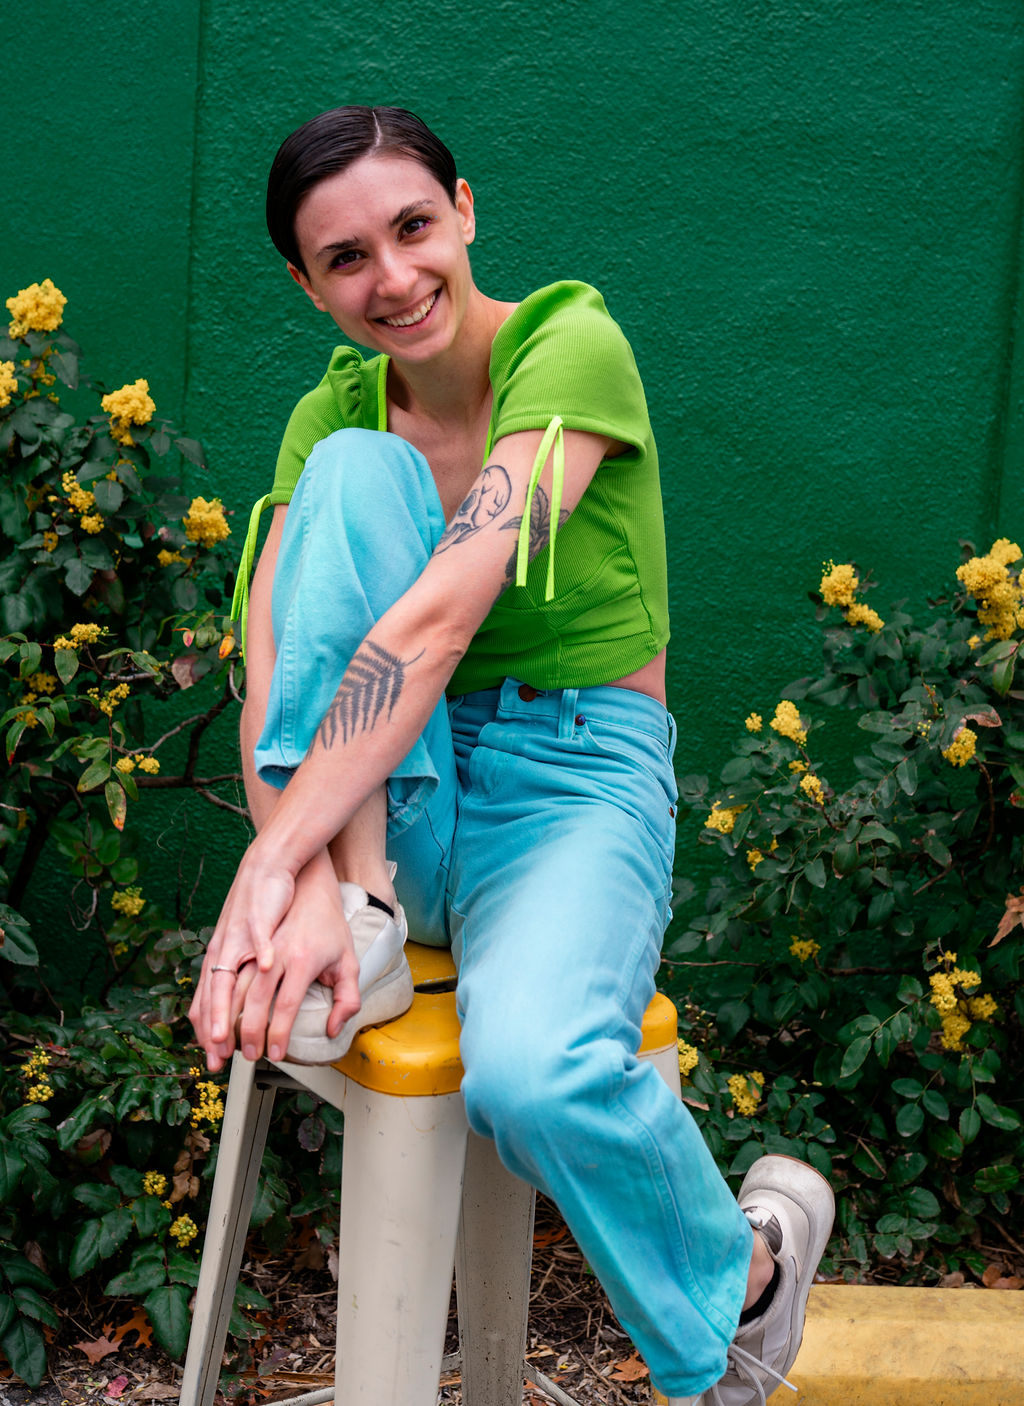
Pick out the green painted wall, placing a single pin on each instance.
(805, 213)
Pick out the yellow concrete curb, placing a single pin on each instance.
(870, 1346)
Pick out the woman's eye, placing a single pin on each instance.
(345, 259)
(417, 223)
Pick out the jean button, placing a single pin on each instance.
(581, 718)
(526, 693)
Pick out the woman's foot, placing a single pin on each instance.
(379, 931)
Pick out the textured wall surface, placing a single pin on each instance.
(806, 215)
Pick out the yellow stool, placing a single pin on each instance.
(421, 1195)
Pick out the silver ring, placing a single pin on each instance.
(224, 969)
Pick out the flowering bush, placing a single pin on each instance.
(855, 974)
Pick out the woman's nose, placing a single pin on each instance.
(396, 275)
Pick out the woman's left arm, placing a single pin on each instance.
(399, 672)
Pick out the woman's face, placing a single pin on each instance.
(385, 255)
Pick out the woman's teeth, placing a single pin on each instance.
(410, 319)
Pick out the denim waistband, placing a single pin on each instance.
(562, 707)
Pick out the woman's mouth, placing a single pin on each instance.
(413, 317)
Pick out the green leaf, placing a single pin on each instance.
(970, 1124)
(12, 1165)
(909, 1119)
(999, 1177)
(25, 1350)
(66, 663)
(996, 1115)
(32, 1305)
(167, 1308)
(935, 1104)
(85, 1252)
(855, 1055)
(935, 849)
(730, 1018)
(910, 989)
(117, 803)
(16, 945)
(78, 576)
(146, 1272)
(109, 495)
(151, 1216)
(97, 1198)
(880, 909)
(946, 1143)
(192, 450)
(922, 1202)
(7, 1312)
(844, 858)
(94, 775)
(1002, 676)
(907, 1168)
(815, 873)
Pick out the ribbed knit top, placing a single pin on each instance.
(559, 353)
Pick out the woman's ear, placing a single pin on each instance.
(306, 286)
(464, 206)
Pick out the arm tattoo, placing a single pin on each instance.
(486, 501)
(540, 527)
(370, 687)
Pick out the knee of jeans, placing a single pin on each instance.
(507, 1088)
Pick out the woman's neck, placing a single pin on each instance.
(452, 387)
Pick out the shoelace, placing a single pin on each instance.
(750, 1369)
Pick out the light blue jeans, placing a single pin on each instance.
(535, 831)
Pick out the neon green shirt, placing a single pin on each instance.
(559, 354)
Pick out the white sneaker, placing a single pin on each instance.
(385, 982)
(792, 1207)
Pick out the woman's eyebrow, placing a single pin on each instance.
(338, 246)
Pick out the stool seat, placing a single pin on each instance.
(421, 1195)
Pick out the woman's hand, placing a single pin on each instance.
(276, 935)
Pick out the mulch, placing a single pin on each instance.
(574, 1338)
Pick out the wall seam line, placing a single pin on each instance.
(193, 208)
(1010, 455)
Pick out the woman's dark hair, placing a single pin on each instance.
(332, 141)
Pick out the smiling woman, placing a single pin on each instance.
(430, 690)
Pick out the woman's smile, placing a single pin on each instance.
(416, 316)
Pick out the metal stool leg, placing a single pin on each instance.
(242, 1140)
(492, 1272)
(402, 1173)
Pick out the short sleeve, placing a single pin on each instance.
(561, 353)
(333, 405)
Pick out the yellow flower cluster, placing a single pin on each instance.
(961, 749)
(131, 405)
(205, 522)
(92, 523)
(804, 948)
(128, 901)
(798, 765)
(753, 722)
(860, 614)
(211, 1104)
(108, 701)
(36, 1070)
(958, 1010)
(8, 382)
(839, 584)
(50, 540)
(812, 788)
(746, 1091)
(42, 682)
(80, 635)
(723, 818)
(838, 587)
(166, 558)
(688, 1058)
(787, 723)
(754, 858)
(996, 592)
(126, 765)
(37, 308)
(154, 1183)
(184, 1230)
(80, 498)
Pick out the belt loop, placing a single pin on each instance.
(567, 714)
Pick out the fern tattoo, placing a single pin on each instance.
(369, 689)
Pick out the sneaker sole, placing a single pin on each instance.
(385, 1001)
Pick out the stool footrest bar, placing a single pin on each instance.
(546, 1384)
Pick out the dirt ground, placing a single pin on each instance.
(574, 1340)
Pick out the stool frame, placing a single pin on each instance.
(406, 1161)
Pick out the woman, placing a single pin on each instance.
(498, 729)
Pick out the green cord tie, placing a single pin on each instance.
(553, 436)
